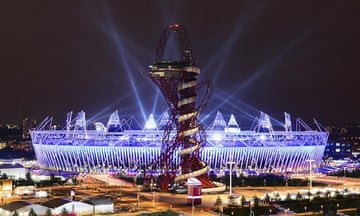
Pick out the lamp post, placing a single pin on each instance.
(310, 173)
(138, 196)
(192, 207)
(250, 212)
(153, 199)
(230, 163)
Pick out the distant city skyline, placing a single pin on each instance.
(274, 56)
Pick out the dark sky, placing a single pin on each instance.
(301, 57)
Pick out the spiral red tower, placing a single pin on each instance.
(177, 80)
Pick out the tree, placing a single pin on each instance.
(48, 212)
(218, 203)
(4, 176)
(28, 178)
(267, 198)
(32, 212)
(212, 176)
(256, 201)
(327, 194)
(288, 197)
(52, 178)
(337, 194)
(243, 200)
(171, 213)
(15, 213)
(309, 194)
(299, 196)
(64, 212)
(277, 196)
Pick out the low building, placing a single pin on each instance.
(101, 205)
(338, 150)
(22, 208)
(58, 205)
(13, 171)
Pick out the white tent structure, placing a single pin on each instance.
(101, 205)
(58, 205)
(38, 209)
(22, 208)
(14, 171)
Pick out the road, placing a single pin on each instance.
(126, 196)
(178, 202)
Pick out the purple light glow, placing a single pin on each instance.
(84, 150)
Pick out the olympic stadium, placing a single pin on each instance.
(178, 144)
(115, 145)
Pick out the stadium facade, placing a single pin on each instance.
(116, 146)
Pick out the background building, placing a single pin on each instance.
(27, 125)
(344, 141)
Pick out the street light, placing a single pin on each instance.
(310, 174)
(251, 213)
(138, 196)
(230, 163)
(153, 199)
(193, 207)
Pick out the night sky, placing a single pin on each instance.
(302, 57)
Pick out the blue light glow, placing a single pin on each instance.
(150, 123)
(217, 137)
(86, 150)
(125, 57)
